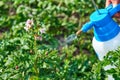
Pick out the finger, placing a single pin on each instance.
(117, 15)
(108, 2)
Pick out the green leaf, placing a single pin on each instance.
(9, 61)
(25, 47)
(1, 3)
(16, 76)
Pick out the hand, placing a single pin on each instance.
(114, 2)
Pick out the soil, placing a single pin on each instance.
(2, 30)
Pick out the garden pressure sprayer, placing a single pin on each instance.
(106, 31)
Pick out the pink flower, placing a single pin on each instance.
(43, 30)
(28, 24)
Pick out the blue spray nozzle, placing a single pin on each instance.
(87, 26)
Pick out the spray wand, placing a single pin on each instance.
(72, 37)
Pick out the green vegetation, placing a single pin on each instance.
(30, 44)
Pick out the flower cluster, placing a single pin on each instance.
(28, 24)
(39, 37)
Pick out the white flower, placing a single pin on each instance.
(26, 28)
(43, 30)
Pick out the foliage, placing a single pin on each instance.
(60, 16)
(32, 47)
(22, 55)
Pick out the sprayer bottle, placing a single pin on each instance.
(106, 32)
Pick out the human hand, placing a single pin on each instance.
(114, 2)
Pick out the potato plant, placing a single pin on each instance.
(30, 46)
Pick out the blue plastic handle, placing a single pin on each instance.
(113, 10)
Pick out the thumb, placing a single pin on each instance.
(108, 2)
